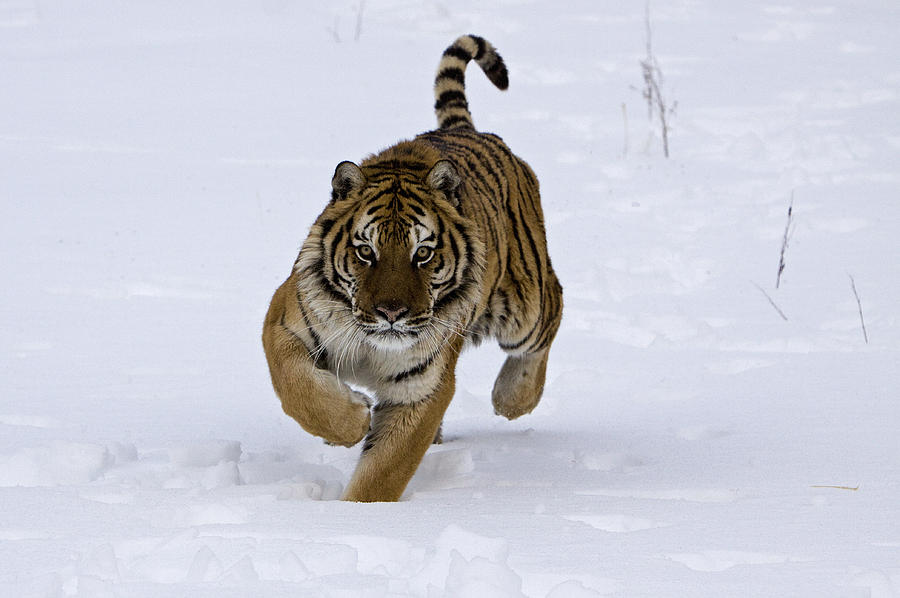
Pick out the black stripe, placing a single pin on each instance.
(455, 119)
(503, 190)
(334, 288)
(470, 250)
(407, 194)
(375, 221)
(540, 282)
(553, 321)
(454, 73)
(534, 193)
(513, 346)
(551, 325)
(451, 95)
(334, 292)
(385, 176)
(494, 165)
(515, 226)
(321, 361)
(374, 434)
(479, 41)
(416, 370)
(488, 191)
(458, 52)
(501, 263)
(466, 155)
(438, 264)
(452, 296)
(545, 320)
(325, 226)
(521, 168)
(538, 257)
(504, 300)
(379, 194)
(395, 164)
(335, 243)
(497, 74)
(471, 171)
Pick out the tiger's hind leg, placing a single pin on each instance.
(520, 383)
(439, 435)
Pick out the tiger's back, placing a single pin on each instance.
(424, 246)
(521, 300)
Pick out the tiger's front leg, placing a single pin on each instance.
(315, 398)
(401, 434)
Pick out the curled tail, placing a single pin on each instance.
(450, 104)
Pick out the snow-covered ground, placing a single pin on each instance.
(160, 163)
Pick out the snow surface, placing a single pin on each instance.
(162, 162)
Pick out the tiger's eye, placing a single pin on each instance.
(423, 254)
(365, 253)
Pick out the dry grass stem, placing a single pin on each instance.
(335, 35)
(771, 301)
(838, 487)
(359, 20)
(784, 241)
(862, 320)
(653, 84)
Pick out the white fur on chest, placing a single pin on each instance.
(395, 376)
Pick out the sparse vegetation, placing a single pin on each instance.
(653, 81)
(862, 320)
(784, 241)
(334, 30)
(771, 302)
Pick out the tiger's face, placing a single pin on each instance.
(392, 260)
(399, 254)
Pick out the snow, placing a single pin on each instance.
(162, 163)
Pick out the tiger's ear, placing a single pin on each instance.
(347, 177)
(443, 177)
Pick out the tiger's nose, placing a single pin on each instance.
(391, 310)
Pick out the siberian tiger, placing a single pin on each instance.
(425, 247)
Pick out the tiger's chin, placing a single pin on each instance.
(392, 340)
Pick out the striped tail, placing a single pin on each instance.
(450, 104)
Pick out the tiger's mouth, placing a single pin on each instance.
(394, 336)
(392, 339)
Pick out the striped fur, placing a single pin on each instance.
(427, 246)
(450, 83)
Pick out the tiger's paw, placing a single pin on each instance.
(351, 423)
(514, 406)
(519, 385)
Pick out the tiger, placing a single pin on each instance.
(427, 247)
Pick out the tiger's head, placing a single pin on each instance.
(395, 253)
